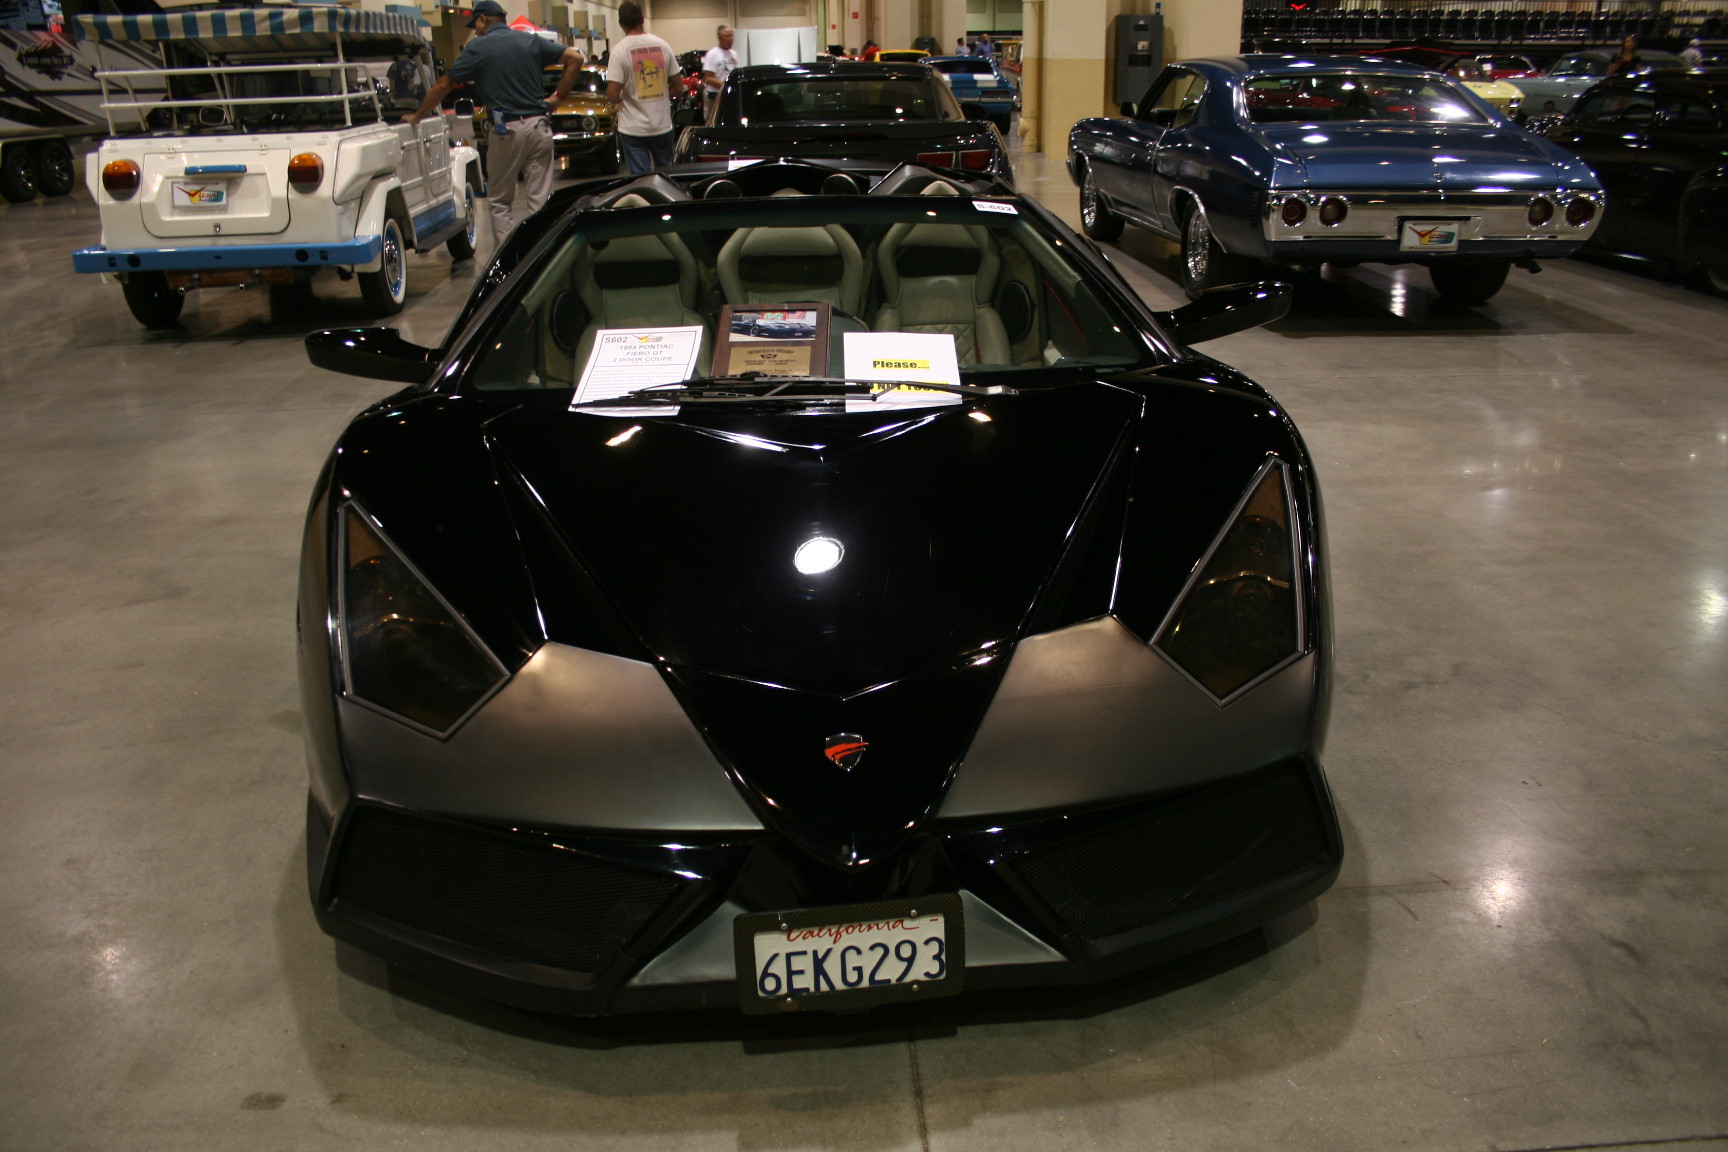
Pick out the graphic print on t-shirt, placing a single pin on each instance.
(649, 66)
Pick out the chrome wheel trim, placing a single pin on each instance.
(1088, 200)
(1197, 251)
(473, 228)
(394, 266)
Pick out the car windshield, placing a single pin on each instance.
(587, 80)
(829, 98)
(1580, 66)
(1305, 97)
(995, 282)
(962, 67)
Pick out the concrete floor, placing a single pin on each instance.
(1527, 948)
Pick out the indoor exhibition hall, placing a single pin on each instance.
(1044, 664)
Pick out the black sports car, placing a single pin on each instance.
(810, 692)
(834, 109)
(1658, 143)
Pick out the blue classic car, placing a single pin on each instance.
(1330, 160)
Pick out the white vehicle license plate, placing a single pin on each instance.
(1429, 235)
(201, 194)
(851, 956)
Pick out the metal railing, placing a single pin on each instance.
(225, 98)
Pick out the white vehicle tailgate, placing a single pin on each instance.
(208, 192)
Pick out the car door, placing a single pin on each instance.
(1608, 132)
(1685, 139)
(1170, 106)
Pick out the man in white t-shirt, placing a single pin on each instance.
(639, 80)
(716, 66)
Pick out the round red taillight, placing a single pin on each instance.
(1580, 211)
(1541, 211)
(1333, 210)
(121, 179)
(1293, 212)
(305, 172)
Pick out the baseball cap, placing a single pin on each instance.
(486, 8)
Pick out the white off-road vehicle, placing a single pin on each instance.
(273, 145)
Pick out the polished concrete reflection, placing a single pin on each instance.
(1528, 506)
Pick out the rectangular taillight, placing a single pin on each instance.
(977, 159)
(937, 159)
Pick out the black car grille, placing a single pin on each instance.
(1195, 850)
(524, 901)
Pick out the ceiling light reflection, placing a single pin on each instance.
(821, 554)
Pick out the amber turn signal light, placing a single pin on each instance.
(121, 178)
(305, 172)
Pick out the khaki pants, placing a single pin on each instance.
(525, 151)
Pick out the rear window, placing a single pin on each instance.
(839, 98)
(1305, 97)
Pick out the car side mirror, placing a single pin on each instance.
(974, 110)
(376, 353)
(1126, 108)
(464, 107)
(687, 117)
(1163, 117)
(1227, 310)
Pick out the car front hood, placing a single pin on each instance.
(1392, 156)
(687, 533)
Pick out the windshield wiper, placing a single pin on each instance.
(752, 387)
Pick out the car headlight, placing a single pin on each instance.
(1240, 616)
(404, 650)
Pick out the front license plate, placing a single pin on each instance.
(208, 194)
(1429, 235)
(849, 957)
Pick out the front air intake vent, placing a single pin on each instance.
(525, 901)
(1195, 850)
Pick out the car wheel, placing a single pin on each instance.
(1205, 265)
(55, 173)
(18, 174)
(153, 303)
(461, 245)
(1001, 123)
(1469, 282)
(1095, 216)
(386, 290)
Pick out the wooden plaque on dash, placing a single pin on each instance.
(773, 339)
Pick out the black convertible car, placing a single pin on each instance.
(786, 693)
(835, 109)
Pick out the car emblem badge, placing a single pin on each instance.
(846, 749)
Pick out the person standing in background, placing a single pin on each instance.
(870, 50)
(505, 66)
(638, 81)
(716, 66)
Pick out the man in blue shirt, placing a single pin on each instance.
(505, 66)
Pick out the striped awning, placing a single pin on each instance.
(285, 25)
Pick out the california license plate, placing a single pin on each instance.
(1429, 235)
(851, 956)
(203, 194)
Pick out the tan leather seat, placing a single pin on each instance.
(637, 282)
(796, 264)
(942, 278)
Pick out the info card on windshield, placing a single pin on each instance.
(906, 359)
(625, 359)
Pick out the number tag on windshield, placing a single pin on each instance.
(848, 957)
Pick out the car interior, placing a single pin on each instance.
(988, 279)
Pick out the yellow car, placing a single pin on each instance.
(901, 55)
(582, 124)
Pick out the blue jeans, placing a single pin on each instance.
(646, 153)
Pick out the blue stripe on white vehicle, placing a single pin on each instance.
(361, 250)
